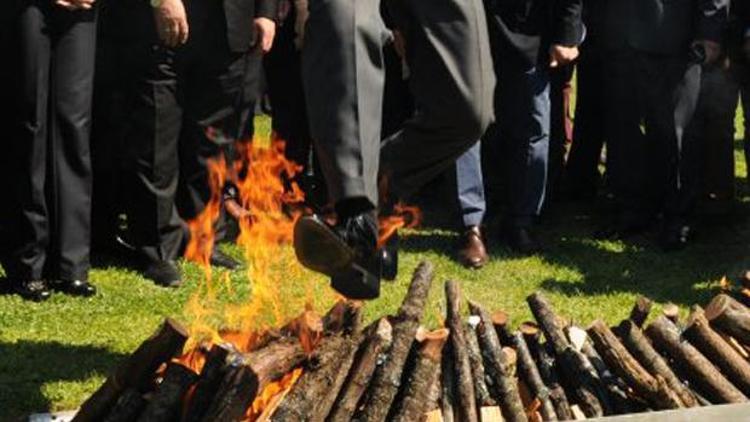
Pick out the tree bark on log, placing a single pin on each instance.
(387, 379)
(249, 374)
(546, 365)
(710, 343)
(317, 381)
(501, 322)
(506, 386)
(640, 311)
(210, 379)
(587, 387)
(376, 344)
(666, 336)
(137, 371)
(467, 409)
(617, 357)
(448, 393)
(672, 312)
(530, 375)
(128, 407)
(165, 405)
(616, 388)
(423, 377)
(345, 316)
(640, 347)
(730, 317)
(482, 392)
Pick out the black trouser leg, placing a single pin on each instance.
(73, 84)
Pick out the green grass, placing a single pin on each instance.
(53, 355)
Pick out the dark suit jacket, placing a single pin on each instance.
(523, 30)
(239, 15)
(662, 26)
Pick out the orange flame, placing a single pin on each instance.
(725, 285)
(404, 216)
(268, 400)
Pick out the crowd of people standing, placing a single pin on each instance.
(112, 104)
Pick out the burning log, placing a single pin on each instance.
(130, 404)
(165, 404)
(666, 336)
(467, 408)
(497, 366)
(587, 387)
(305, 401)
(387, 378)
(136, 372)
(703, 337)
(377, 343)
(641, 309)
(731, 317)
(424, 376)
(249, 374)
(546, 365)
(530, 375)
(638, 345)
(482, 392)
(655, 390)
(210, 379)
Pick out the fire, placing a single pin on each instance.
(404, 216)
(271, 396)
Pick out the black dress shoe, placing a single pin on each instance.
(163, 273)
(320, 248)
(220, 259)
(389, 258)
(521, 240)
(675, 237)
(33, 290)
(74, 287)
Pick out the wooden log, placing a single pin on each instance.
(210, 379)
(323, 408)
(482, 392)
(422, 378)
(501, 321)
(137, 371)
(622, 402)
(448, 382)
(666, 337)
(638, 345)
(672, 312)
(433, 416)
(387, 379)
(506, 387)
(529, 373)
(655, 391)
(640, 311)
(740, 349)
(165, 404)
(249, 374)
(730, 317)
(546, 365)
(587, 388)
(376, 344)
(318, 380)
(491, 414)
(128, 407)
(705, 339)
(436, 390)
(345, 316)
(467, 408)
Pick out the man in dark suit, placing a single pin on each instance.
(192, 58)
(655, 50)
(528, 38)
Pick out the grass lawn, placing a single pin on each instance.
(53, 355)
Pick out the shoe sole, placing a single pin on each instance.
(356, 283)
(319, 248)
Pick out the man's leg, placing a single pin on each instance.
(448, 53)
(471, 200)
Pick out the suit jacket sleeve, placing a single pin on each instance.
(713, 18)
(568, 23)
(266, 9)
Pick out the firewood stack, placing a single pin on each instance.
(476, 368)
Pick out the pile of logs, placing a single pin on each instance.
(476, 368)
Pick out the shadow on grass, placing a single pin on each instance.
(27, 366)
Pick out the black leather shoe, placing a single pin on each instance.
(33, 290)
(220, 259)
(389, 258)
(675, 237)
(320, 248)
(521, 240)
(74, 287)
(163, 273)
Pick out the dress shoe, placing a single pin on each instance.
(74, 287)
(675, 236)
(521, 240)
(220, 259)
(163, 273)
(389, 258)
(33, 290)
(471, 250)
